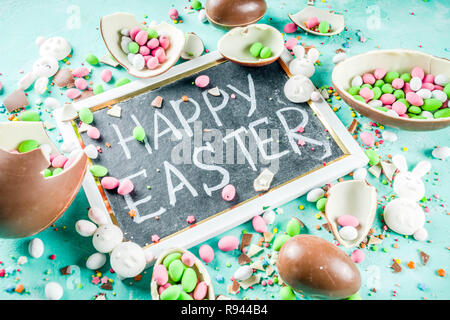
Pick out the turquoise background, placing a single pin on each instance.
(418, 25)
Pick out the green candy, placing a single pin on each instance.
(29, 116)
(57, 171)
(176, 270)
(354, 90)
(92, 59)
(431, 104)
(286, 293)
(387, 88)
(98, 170)
(324, 26)
(374, 159)
(255, 49)
(265, 53)
(139, 133)
(171, 293)
(279, 241)
(197, 5)
(121, 82)
(447, 90)
(359, 98)
(170, 258)
(366, 85)
(86, 115)
(293, 227)
(133, 47)
(415, 116)
(404, 101)
(152, 33)
(98, 88)
(47, 173)
(382, 109)
(443, 113)
(378, 83)
(27, 145)
(406, 77)
(189, 280)
(376, 93)
(390, 76)
(354, 296)
(399, 94)
(320, 204)
(414, 109)
(184, 296)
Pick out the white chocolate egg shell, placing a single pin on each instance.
(336, 21)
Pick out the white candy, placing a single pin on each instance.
(440, 95)
(107, 237)
(125, 32)
(427, 114)
(441, 152)
(341, 56)
(269, 216)
(404, 216)
(314, 195)
(243, 273)
(124, 44)
(85, 228)
(45, 67)
(68, 146)
(392, 113)
(441, 79)
(91, 151)
(52, 103)
(96, 261)
(360, 174)
(298, 89)
(138, 62)
(128, 259)
(130, 57)
(348, 233)
(202, 16)
(375, 103)
(36, 248)
(315, 96)
(26, 81)
(98, 216)
(53, 291)
(424, 93)
(40, 86)
(415, 83)
(389, 136)
(357, 81)
(57, 47)
(421, 234)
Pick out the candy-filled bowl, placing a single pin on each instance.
(113, 28)
(400, 62)
(194, 282)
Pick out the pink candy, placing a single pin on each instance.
(379, 73)
(106, 75)
(134, 32)
(202, 81)
(141, 37)
(162, 288)
(358, 256)
(366, 93)
(188, 259)
(368, 78)
(80, 72)
(367, 138)
(429, 86)
(398, 83)
(290, 28)
(160, 54)
(59, 161)
(407, 88)
(173, 14)
(164, 42)
(387, 98)
(414, 99)
(429, 78)
(291, 43)
(160, 275)
(417, 72)
(399, 107)
(73, 93)
(153, 43)
(93, 133)
(259, 224)
(228, 192)
(69, 163)
(152, 63)
(348, 220)
(125, 187)
(312, 22)
(80, 83)
(206, 253)
(109, 183)
(145, 51)
(228, 243)
(200, 291)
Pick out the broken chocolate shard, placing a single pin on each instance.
(66, 270)
(16, 100)
(106, 286)
(397, 268)
(424, 257)
(157, 102)
(353, 126)
(327, 226)
(263, 181)
(235, 287)
(64, 78)
(246, 239)
(84, 95)
(244, 259)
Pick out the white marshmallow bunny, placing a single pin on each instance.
(300, 88)
(403, 215)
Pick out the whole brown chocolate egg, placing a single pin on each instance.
(317, 268)
(235, 13)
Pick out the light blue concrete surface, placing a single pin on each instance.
(419, 25)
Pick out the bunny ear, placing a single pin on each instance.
(299, 52)
(313, 55)
(400, 162)
(421, 168)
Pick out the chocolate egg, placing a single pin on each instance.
(317, 268)
(234, 13)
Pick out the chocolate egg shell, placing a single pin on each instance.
(234, 13)
(317, 268)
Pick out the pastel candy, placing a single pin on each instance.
(424, 93)
(290, 28)
(152, 63)
(348, 220)
(358, 256)
(73, 93)
(153, 43)
(417, 72)
(69, 162)
(109, 183)
(173, 14)
(407, 88)
(176, 270)
(291, 43)
(398, 83)
(188, 259)
(141, 37)
(59, 161)
(189, 280)
(125, 187)
(85, 228)
(162, 288)
(200, 291)
(312, 22)
(106, 75)
(134, 32)
(368, 78)
(93, 133)
(441, 79)
(98, 170)
(259, 224)
(293, 227)
(160, 54)
(379, 73)
(202, 81)
(243, 273)
(314, 195)
(428, 86)
(228, 243)
(228, 192)
(399, 107)
(367, 138)
(80, 83)
(164, 42)
(387, 98)
(171, 293)
(80, 72)
(414, 99)
(348, 233)
(170, 258)
(36, 248)
(206, 253)
(415, 83)
(429, 78)
(144, 51)
(366, 93)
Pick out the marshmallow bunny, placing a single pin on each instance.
(126, 258)
(403, 215)
(300, 88)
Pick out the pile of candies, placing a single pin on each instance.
(144, 47)
(177, 280)
(313, 24)
(257, 50)
(409, 95)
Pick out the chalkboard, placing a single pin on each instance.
(193, 148)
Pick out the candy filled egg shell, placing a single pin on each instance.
(107, 237)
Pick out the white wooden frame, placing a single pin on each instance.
(205, 230)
